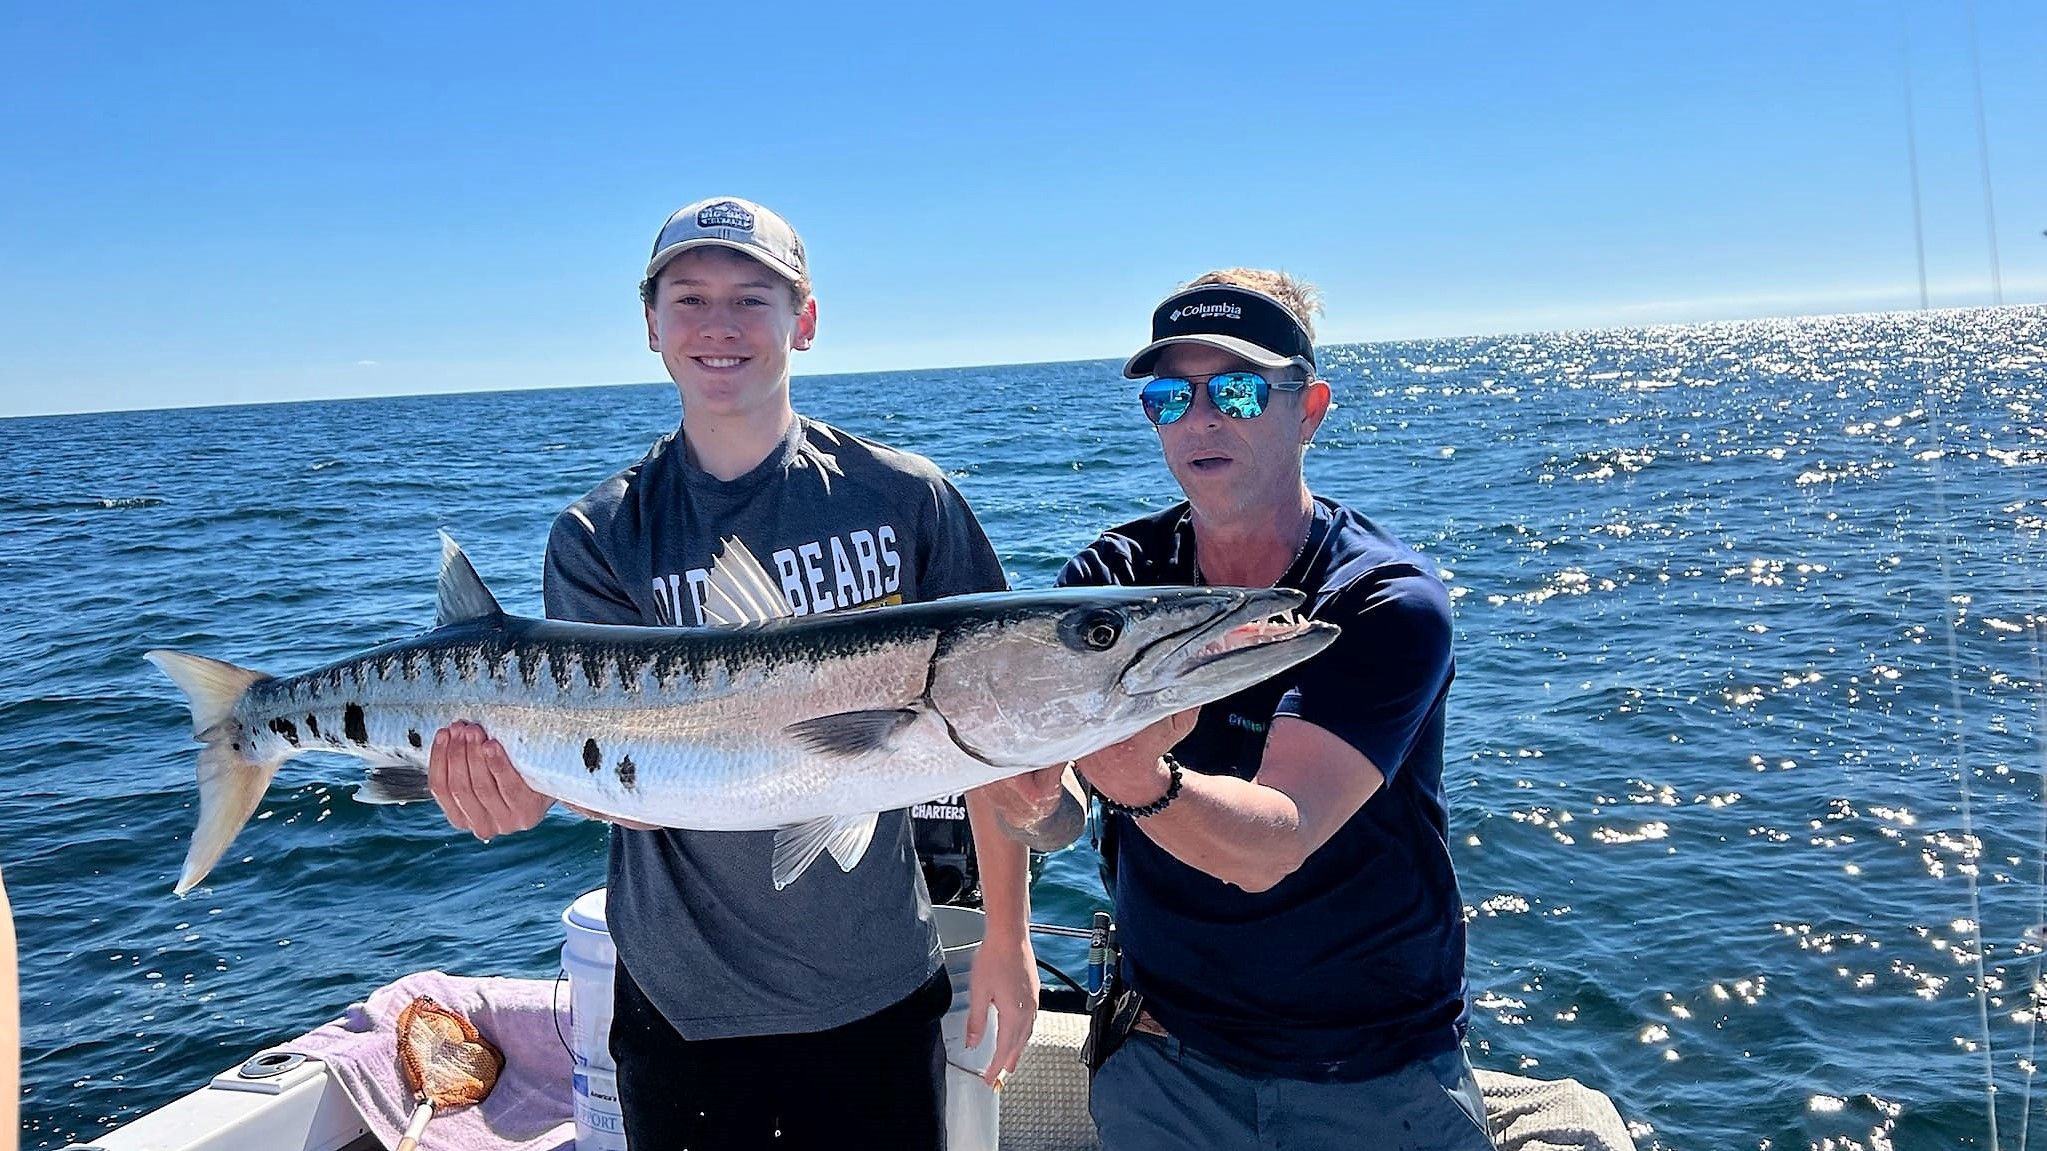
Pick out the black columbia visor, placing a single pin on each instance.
(1249, 325)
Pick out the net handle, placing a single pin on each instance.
(413, 1130)
(10, 1027)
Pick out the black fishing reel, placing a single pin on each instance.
(945, 847)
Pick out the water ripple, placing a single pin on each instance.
(1704, 756)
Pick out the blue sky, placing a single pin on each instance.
(218, 203)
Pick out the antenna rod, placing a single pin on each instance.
(1972, 850)
(1912, 158)
(1983, 160)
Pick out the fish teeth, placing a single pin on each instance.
(1283, 626)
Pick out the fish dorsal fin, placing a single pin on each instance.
(463, 596)
(739, 591)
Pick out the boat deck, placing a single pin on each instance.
(285, 1103)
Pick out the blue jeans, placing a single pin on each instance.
(1155, 1094)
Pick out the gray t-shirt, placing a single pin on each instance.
(839, 522)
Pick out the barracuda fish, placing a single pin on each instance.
(760, 721)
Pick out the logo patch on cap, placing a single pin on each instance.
(1204, 311)
(725, 214)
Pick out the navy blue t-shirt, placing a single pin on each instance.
(1352, 966)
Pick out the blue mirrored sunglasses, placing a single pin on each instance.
(1238, 395)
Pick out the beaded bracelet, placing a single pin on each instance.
(1173, 766)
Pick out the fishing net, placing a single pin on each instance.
(447, 1062)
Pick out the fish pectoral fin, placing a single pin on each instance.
(738, 590)
(394, 779)
(848, 842)
(462, 594)
(798, 845)
(850, 733)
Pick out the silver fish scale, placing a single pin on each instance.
(779, 724)
(684, 733)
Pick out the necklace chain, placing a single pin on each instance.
(1307, 534)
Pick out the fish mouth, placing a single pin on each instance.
(1245, 627)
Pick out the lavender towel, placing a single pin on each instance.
(528, 1110)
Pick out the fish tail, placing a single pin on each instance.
(231, 780)
(212, 688)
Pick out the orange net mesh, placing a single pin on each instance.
(447, 1062)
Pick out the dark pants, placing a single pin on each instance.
(875, 1082)
(1154, 1094)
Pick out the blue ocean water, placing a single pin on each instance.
(1746, 738)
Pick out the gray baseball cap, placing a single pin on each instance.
(730, 222)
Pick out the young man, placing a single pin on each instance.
(750, 1017)
(1281, 869)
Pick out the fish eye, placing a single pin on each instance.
(1094, 630)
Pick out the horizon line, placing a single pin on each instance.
(1505, 333)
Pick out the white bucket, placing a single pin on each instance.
(589, 959)
(973, 1112)
(600, 1124)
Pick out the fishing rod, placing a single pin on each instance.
(2036, 934)
(1068, 933)
(1970, 845)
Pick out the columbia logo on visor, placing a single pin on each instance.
(1203, 311)
(725, 215)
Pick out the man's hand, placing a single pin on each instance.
(1130, 772)
(1005, 974)
(477, 786)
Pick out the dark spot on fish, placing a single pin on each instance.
(465, 664)
(564, 675)
(352, 724)
(593, 669)
(287, 729)
(628, 773)
(412, 737)
(529, 663)
(334, 679)
(312, 723)
(592, 758)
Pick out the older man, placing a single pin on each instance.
(1280, 859)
